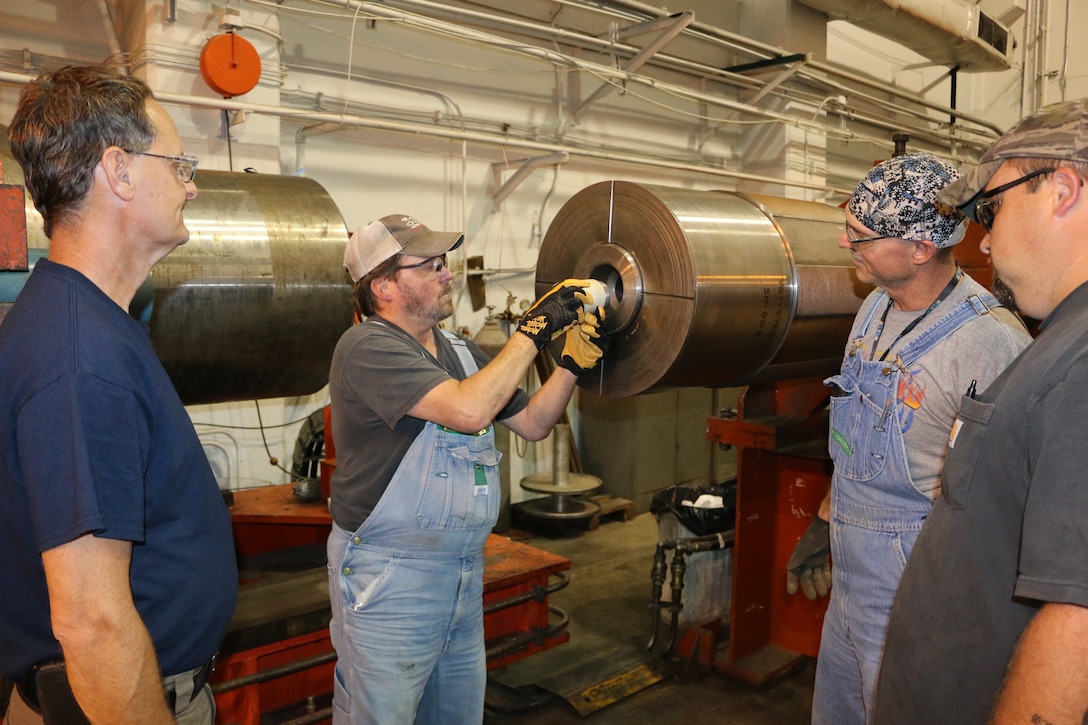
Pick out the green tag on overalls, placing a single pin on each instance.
(838, 438)
(480, 482)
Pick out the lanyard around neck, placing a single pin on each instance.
(914, 323)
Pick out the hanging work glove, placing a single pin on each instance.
(584, 344)
(810, 565)
(554, 312)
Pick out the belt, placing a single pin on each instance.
(29, 692)
(470, 435)
(200, 678)
(28, 687)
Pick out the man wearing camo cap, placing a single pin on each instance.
(991, 621)
(921, 338)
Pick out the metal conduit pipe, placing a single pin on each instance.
(771, 51)
(714, 35)
(603, 71)
(617, 75)
(550, 56)
(350, 121)
(535, 594)
(681, 548)
(538, 635)
(711, 34)
(273, 673)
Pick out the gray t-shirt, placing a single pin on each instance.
(932, 388)
(378, 373)
(1006, 535)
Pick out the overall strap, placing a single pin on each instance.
(973, 306)
(468, 363)
(868, 320)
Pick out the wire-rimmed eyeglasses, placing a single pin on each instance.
(855, 240)
(989, 202)
(433, 265)
(184, 166)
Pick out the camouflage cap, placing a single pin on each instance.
(1058, 131)
(898, 197)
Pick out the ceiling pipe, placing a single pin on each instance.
(383, 10)
(707, 33)
(771, 51)
(419, 129)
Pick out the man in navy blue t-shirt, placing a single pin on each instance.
(115, 547)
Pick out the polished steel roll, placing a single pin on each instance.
(252, 306)
(705, 288)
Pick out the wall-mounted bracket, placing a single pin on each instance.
(792, 63)
(673, 25)
(503, 190)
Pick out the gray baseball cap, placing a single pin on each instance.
(373, 243)
(898, 197)
(1057, 131)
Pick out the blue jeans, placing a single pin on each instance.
(852, 641)
(415, 630)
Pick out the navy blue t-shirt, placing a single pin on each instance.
(94, 439)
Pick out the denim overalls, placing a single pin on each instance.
(876, 514)
(407, 586)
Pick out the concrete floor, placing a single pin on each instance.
(607, 601)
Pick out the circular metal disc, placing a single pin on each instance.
(576, 483)
(558, 508)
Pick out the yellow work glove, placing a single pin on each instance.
(584, 344)
(554, 312)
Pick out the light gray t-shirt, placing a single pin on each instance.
(931, 388)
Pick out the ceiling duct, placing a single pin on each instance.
(948, 32)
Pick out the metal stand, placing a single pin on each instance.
(562, 486)
(782, 473)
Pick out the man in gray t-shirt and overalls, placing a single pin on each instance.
(926, 335)
(415, 492)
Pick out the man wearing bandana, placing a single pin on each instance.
(927, 334)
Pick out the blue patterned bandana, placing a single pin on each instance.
(899, 198)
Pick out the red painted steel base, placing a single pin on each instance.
(783, 472)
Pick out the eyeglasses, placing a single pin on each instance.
(184, 166)
(988, 203)
(433, 265)
(853, 240)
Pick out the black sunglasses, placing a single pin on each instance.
(988, 203)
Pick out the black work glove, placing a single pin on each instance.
(584, 344)
(554, 312)
(810, 565)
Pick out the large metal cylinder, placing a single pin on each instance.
(252, 306)
(705, 288)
